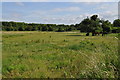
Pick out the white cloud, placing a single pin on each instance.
(19, 3)
(60, 0)
(16, 15)
(12, 16)
(108, 6)
(109, 15)
(39, 12)
(108, 12)
(66, 19)
(26, 0)
(69, 9)
(94, 0)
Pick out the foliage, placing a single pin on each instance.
(107, 26)
(21, 26)
(116, 23)
(92, 24)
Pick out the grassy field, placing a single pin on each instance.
(59, 55)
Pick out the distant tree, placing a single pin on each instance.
(116, 30)
(96, 27)
(44, 28)
(85, 25)
(91, 25)
(34, 28)
(9, 27)
(94, 17)
(77, 26)
(116, 23)
(60, 29)
(50, 28)
(28, 28)
(116, 26)
(107, 26)
(39, 28)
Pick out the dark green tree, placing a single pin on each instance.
(44, 27)
(60, 29)
(94, 17)
(116, 23)
(107, 26)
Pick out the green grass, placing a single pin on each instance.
(59, 55)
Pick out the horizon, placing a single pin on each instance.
(58, 12)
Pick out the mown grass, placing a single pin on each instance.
(59, 55)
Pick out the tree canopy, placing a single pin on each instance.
(92, 24)
(116, 23)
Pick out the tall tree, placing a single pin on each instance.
(107, 26)
(94, 17)
(116, 23)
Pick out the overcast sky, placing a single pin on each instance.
(58, 12)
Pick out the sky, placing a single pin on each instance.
(57, 12)
(60, 0)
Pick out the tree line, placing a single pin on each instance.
(21, 26)
(92, 24)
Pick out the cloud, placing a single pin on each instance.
(107, 6)
(39, 0)
(108, 11)
(27, 0)
(68, 9)
(92, 0)
(19, 3)
(16, 15)
(60, 0)
(109, 15)
(66, 19)
(105, 11)
(51, 13)
(39, 12)
(13, 16)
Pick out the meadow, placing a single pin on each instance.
(37, 54)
